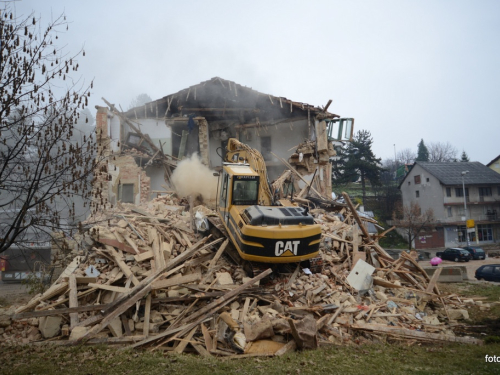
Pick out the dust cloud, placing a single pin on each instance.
(191, 177)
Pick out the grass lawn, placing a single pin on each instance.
(369, 359)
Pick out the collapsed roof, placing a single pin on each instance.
(219, 99)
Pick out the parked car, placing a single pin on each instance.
(455, 254)
(488, 272)
(476, 252)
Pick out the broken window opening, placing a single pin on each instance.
(340, 129)
(265, 148)
(126, 193)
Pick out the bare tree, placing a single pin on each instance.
(406, 156)
(44, 162)
(442, 152)
(412, 220)
(140, 100)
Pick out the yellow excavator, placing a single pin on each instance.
(260, 230)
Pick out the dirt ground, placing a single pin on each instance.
(13, 293)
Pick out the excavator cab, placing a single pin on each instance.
(239, 186)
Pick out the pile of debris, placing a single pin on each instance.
(143, 277)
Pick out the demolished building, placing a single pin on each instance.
(142, 275)
(146, 143)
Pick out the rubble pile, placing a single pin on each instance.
(143, 277)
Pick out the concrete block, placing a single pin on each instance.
(224, 278)
(78, 332)
(449, 274)
(115, 326)
(258, 331)
(458, 314)
(50, 326)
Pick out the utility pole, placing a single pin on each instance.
(465, 207)
(395, 161)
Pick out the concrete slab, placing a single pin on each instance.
(449, 274)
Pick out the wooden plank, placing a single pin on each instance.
(85, 279)
(144, 256)
(125, 325)
(295, 334)
(414, 334)
(53, 291)
(294, 171)
(201, 350)
(386, 284)
(100, 340)
(132, 244)
(121, 264)
(111, 288)
(214, 261)
(207, 311)
(173, 263)
(117, 312)
(65, 311)
(356, 216)
(244, 312)
(179, 238)
(183, 344)
(117, 244)
(185, 237)
(90, 321)
(289, 347)
(230, 294)
(355, 249)
(167, 283)
(73, 300)
(147, 313)
(218, 254)
(434, 279)
(207, 338)
(70, 269)
(334, 316)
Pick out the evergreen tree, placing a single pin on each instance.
(423, 152)
(340, 176)
(465, 157)
(357, 161)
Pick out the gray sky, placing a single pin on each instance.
(405, 70)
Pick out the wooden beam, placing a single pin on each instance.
(173, 263)
(111, 288)
(183, 344)
(414, 334)
(434, 279)
(147, 313)
(73, 300)
(294, 171)
(205, 312)
(129, 123)
(65, 311)
(295, 334)
(167, 283)
(121, 264)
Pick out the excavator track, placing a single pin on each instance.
(253, 269)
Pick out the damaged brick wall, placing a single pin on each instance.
(124, 170)
(119, 169)
(203, 139)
